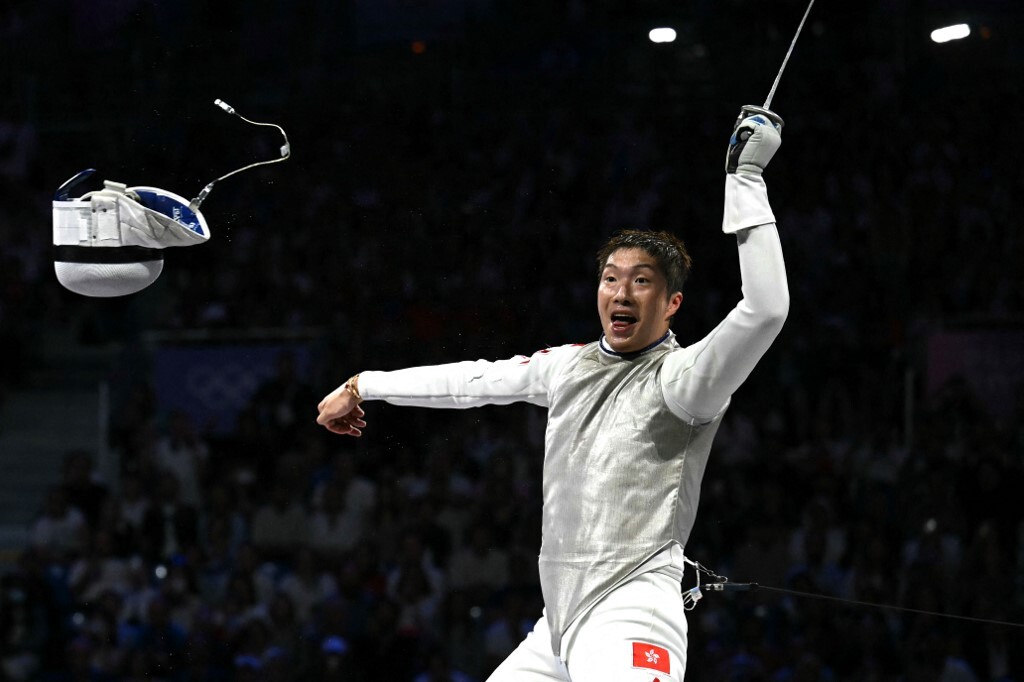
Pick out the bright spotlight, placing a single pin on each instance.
(956, 32)
(662, 35)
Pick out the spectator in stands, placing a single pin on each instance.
(182, 453)
(126, 514)
(170, 526)
(98, 571)
(278, 403)
(61, 531)
(307, 584)
(333, 528)
(280, 525)
(82, 487)
(480, 567)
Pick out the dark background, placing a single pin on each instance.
(455, 166)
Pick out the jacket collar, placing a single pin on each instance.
(606, 350)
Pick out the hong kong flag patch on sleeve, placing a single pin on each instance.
(650, 656)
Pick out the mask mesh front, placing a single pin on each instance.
(106, 280)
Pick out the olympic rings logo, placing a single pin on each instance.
(219, 387)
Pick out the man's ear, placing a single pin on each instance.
(675, 301)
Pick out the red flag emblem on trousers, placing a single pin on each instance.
(650, 656)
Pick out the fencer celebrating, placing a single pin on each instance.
(630, 422)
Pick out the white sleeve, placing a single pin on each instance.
(698, 380)
(470, 383)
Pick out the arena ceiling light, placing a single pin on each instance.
(948, 33)
(662, 35)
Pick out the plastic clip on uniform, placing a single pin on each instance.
(694, 595)
(691, 597)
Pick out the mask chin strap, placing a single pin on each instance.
(286, 151)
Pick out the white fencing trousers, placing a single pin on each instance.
(636, 633)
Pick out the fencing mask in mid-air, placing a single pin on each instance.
(110, 242)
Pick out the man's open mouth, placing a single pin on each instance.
(622, 322)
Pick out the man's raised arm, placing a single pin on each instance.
(698, 381)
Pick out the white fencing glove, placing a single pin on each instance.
(755, 138)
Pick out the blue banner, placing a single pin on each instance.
(212, 384)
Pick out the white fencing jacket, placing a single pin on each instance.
(627, 436)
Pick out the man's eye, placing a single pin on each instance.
(642, 280)
(609, 278)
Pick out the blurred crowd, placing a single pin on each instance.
(444, 204)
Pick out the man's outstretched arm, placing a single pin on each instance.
(454, 385)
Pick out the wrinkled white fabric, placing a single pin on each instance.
(111, 218)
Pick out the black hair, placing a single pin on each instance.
(668, 251)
